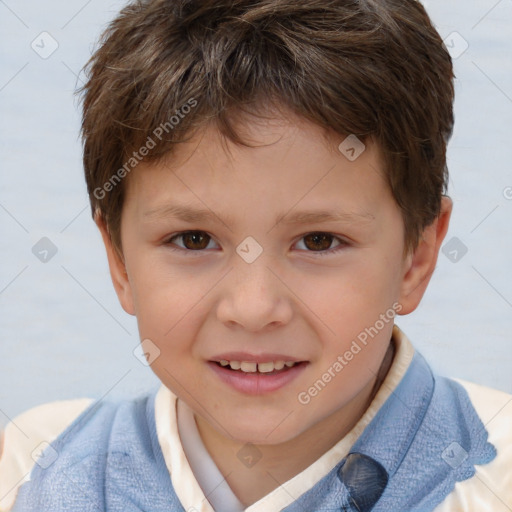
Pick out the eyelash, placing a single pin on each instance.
(343, 243)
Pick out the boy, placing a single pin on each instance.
(225, 143)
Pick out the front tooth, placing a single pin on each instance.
(235, 365)
(248, 366)
(279, 365)
(266, 367)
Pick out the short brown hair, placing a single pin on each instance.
(372, 68)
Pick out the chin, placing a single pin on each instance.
(264, 432)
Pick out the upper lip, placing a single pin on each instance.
(254, 358)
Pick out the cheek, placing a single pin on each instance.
(349, 298)
(167, 314)
(162, 298)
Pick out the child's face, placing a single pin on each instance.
(304, 298)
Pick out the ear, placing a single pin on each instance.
(117, 268)
(421, 263)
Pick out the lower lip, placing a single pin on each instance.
(256, 383)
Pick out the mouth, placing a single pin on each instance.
(252, 378)
(264, 368)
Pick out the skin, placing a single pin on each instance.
(194, 304)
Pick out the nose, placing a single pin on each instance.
(253, 297)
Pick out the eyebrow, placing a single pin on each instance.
(191, 215)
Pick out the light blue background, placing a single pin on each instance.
(63, 333)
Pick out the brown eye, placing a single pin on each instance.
(193, 240)
(318, 241)
(320, 244)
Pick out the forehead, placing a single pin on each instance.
(288, 161)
